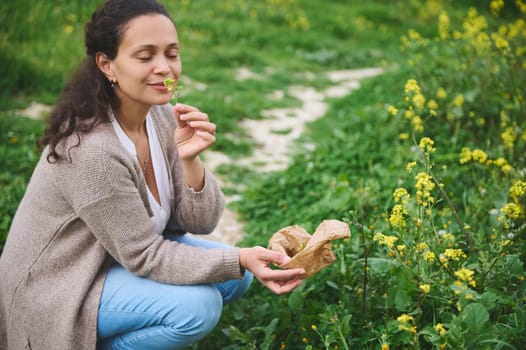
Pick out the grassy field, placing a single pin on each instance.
(425, 162)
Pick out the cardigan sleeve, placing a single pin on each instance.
(107, 193)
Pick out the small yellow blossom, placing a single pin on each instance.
(397, 216)
(443, 25)
(412, 87)
(313, 327)
(410, 166)
(439, 328)
(432, 104)
(429, 256)
(385, 346)
(404, 318)
(465, 155)
(454, 254)
(426, 288)
(400, 195)
(508, 137)
(424, 186)
(403, 136)
(512, 211)
(517, 190)
(419, 100)
(464, 274)
(410, 329)
(422, 246)
(479, 155)
(409, 114)
(441, 93)
(382, 239)
(392, 110)
(426, 144)
(417, 124)
(458, 101)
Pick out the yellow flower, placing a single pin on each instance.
(410, 166)
(439, 328)
(401, 195)
(512, 211)
(419, 100)
(432, 104)
(458, 101)
(426, 144)
(382, 239)
(305, 340)
(464, 274)
(441, 93)
(443, 25)
(417, 124)
(392, 110)
(405, 318)
(403, 136)
(454, 254)
(410, 329)
(465, 155)
(412, 87)
(479, 155)
(385, 346)
(313, 327)
(422, 246)
(518, 189)
(429, 256)
(424, 186)
(397, 216)
(426, 288)
(508, 137)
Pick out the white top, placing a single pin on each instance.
(161, 212)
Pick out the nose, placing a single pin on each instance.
(162, 65)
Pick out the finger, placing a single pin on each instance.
(282, 288)
(195, 115)
(277, 258)
(203, 125)
(205, 135)
(183, 108)
(282, 275)
(179, 110)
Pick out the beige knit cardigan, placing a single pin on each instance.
(79, 215)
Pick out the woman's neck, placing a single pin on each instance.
(132, 118)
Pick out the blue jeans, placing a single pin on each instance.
(138, 313)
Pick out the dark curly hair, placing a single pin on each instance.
(88, 94)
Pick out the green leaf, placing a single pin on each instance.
(296, 300)
(475, 316)
(402, 300)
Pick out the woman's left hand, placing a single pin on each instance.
(194, 132)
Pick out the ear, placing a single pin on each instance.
(104, 64)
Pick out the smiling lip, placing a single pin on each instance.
(159, 86)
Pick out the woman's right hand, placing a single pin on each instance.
(257, 261)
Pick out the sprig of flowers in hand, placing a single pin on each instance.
(169, 83)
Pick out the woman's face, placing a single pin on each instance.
(147, 55)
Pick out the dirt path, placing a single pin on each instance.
(272, 152)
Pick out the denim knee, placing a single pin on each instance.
(206, 306)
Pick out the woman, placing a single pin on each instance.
(96, 255)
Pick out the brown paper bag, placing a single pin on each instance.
(311, 253)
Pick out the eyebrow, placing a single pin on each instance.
(149, 47)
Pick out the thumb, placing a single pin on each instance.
(177, 111)
(277, 258)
